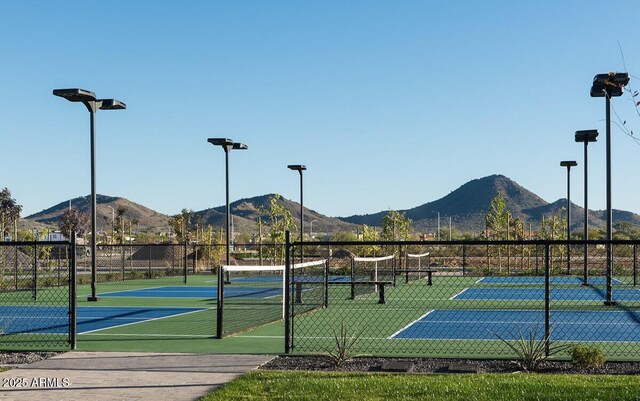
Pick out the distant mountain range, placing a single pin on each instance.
(466, 206)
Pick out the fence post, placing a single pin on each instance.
(547, 298)
(73, 294)
(287, 293)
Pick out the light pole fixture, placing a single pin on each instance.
(311, 228)
(227, 145)
(92, 104)
(568, 164)
(586, 136)
(609, 85)
(300, 168)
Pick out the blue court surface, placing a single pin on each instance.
(197, 292)
(537, 294)
(539, 280)
(55, 319)
(483, 324)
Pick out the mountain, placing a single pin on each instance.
(467, 206)
(246, 211)
(148, 220)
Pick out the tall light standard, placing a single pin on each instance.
(300, 168)
(586, 136)
(568, 164)
(92, 104)
(438, 225)
(311, 228)
(609, 85)
(227, 145)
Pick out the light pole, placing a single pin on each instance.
(311, 228)
(609, 85)
(438, 225)
(227, 145)
(92, 104)
(300, 168)
(586, 136)
(568, 164)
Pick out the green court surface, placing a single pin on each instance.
(190, 332)
(401, 326)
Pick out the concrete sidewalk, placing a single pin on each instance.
(101, 376)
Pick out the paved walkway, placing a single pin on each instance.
(102, 376)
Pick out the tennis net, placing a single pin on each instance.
(367, 271)
(253, 296)
(416, 266)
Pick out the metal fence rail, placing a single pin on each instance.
(468, 299)
(36, 295)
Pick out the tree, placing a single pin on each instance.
(497, 218)
(395, 226)
(73, 220)
(9, 213)
(281, 221)
(182, 225)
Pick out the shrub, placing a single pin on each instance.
(584, 356)
(530, 348)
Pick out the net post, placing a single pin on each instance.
(73, 307)
(381, 299)
(35, 271)
(186, 260)
(464, 260)
(195, 257)
(326, 281)
(635, 259)
(353, 286)
(220, 304)
(547, 298)
(286, 294)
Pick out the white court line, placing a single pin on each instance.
(150, 335)
(457, 295)
(478, 281)
(143, 321)
(410, 324)
(116, 292)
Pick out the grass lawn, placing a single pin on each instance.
(275, 385)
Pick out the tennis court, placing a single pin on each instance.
(197, 292)
(586, 293)
(55, 320)
(465, 324)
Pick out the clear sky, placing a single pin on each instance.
(390, 104)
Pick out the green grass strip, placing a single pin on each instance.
(271, 385)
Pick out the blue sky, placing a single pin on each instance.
(390, 104)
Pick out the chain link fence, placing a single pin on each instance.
(466, 299)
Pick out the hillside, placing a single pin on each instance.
(246, 212)
(468, 205)
(148, 220)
